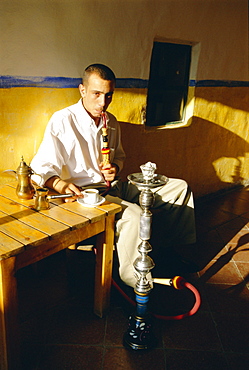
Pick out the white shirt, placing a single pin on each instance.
(71, 147)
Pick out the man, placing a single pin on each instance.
(69, 158)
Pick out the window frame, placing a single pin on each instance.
(188, 108)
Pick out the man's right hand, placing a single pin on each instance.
(63, 187)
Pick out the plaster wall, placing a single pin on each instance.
(59, 38)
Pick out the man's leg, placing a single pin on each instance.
(177, 219)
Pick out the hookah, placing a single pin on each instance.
(139, 335)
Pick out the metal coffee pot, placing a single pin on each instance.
(24, 189)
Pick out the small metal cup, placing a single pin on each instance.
(41, 201)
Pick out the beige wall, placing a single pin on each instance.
(61, 37)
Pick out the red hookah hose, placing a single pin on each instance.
(108, 187)
(179, 283)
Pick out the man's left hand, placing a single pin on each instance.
(109, 171)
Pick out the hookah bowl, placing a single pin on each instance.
(139, 334)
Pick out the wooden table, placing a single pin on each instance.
(27, 236)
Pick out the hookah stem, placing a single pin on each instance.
(105, 149)
(69, 195)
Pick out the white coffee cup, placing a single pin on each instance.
(91, 196)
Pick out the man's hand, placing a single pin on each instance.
(109, 171)
(63, 187)
(71, 188)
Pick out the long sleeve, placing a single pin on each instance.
(50, 157)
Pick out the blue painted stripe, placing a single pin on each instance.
(131, 83)
(62, 82)
(67, 82)
(217, 83)
(52, 82)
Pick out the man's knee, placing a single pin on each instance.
(129, 219)
(133, 210)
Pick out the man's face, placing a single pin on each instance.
(96, 95)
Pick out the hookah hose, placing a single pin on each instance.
(178, 283)
(105, 151)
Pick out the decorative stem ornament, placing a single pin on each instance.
(105, 149)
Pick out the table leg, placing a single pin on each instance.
(103, 269)
(9, 325)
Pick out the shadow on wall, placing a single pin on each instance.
(238, 99)
(209, 157)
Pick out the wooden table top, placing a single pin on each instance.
(22, 227)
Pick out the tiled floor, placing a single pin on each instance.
(59, 330)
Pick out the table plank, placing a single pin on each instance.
(9, 192)
(55, 245)
(94, 214)
(32, 218)
(66, 217)
(21, 232)
(110, 208)
(9, 246)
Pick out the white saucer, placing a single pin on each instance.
(84, 204)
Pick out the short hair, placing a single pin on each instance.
(101, 70)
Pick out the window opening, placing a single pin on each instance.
(168, 83)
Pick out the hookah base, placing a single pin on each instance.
(139, 335)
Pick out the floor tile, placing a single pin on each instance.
(117, 325)
(121, 358)
(242, 252)
(233, 331)
(210, 246)
(195, 360)
(209, 216)
(70, 357)
(225, 298)
(221, 272)
(238, 361)
(235, 231)
(233, 203)
(31, 349)
(73, 324)
(197, 332)
(243, 268)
